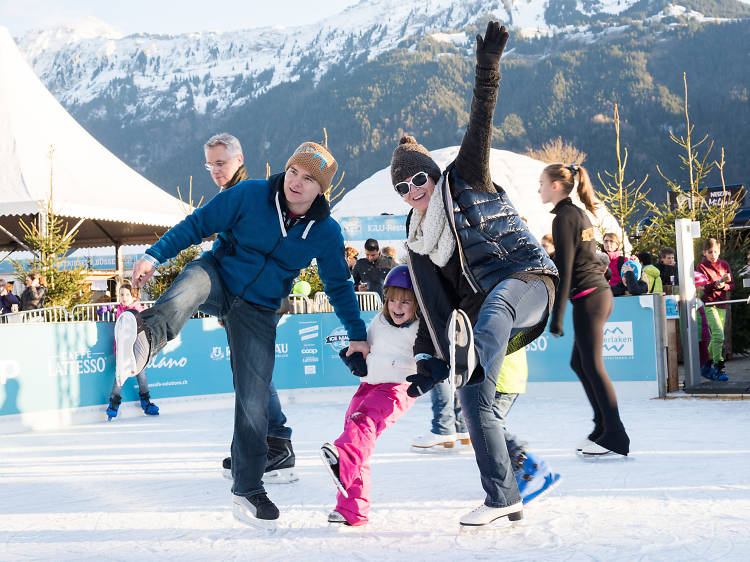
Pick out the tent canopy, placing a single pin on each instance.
(45, 155)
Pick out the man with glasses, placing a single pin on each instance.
(269, 229)
(224, 160)
(369, 273)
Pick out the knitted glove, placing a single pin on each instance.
(356, 362)
(490, 49)
(430, 371)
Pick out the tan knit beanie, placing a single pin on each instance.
(316, 159)
(409, 158)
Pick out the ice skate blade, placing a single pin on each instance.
(336, 481)
(435, 450)
(280, 476)
(498, 524)
(126, 330)
(241, 515)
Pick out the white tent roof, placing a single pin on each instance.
(88, 181)
(517, 174)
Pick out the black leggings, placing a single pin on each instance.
(589, 316)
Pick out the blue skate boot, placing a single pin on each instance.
(149, 408)
(706, 370)
(533, 476)
(114, 404)
(718, 373)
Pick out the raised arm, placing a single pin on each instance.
(473, 160)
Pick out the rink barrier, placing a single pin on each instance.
(58, 366)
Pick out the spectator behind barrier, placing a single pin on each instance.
(369, 272)
(667, 267)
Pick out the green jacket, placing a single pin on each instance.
(653, 279)
(513, 373)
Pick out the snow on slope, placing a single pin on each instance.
(79, 63)
(150, 488)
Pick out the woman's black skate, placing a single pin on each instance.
(330, 456)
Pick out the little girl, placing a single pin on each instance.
(129, 300)
(720, 282)
(379, 401)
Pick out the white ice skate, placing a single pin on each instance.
(463, 357)
(484, 515)
(434, 443)
(463, 439)
(586, 443)
(126, 330)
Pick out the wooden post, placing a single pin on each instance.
(673, 339)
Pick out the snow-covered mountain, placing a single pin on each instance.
(207, 72)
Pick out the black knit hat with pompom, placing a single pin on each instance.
(409, 158)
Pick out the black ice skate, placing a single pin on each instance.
(330, 456)
(255, 510)
(279, 463)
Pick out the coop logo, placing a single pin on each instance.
(618, 339)
(9, 370)
(72, 364)
(167, 363)
(309, 332)
(338, 339)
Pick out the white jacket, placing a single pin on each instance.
(391, 357)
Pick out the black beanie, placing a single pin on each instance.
(409, 158)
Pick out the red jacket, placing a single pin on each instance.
(714, 272)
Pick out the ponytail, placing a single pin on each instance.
(574, 176)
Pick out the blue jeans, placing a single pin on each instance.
(276, 419)
(251, 334)
(503, 403)
(446, 411)
(512, 306)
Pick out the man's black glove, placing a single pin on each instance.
(490, 48)
(429, 372)
(356, 362)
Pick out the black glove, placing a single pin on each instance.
(356, 362)
(490, 49)
(556, 325)
(429, 372)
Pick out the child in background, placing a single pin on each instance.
(720, 282)
(611, 243)
(704, 335)
(380, 399)
(129, 301)
(651, 274)
(631, 281)
(667, 267)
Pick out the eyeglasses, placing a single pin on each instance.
(211, 166)
(417, 180)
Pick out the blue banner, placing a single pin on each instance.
(67, 365)
(629, 349)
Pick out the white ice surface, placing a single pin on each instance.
(150, 488)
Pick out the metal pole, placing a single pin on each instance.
(685, 232)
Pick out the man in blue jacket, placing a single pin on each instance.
(270, 229)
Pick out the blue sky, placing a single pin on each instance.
(170, 16)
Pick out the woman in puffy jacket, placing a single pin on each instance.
(473, 261)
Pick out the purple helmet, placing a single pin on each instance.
(399, 277)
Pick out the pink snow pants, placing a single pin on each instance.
(373, 409)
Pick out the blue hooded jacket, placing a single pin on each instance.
(258, 258)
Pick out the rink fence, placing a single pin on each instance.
(56, 366)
